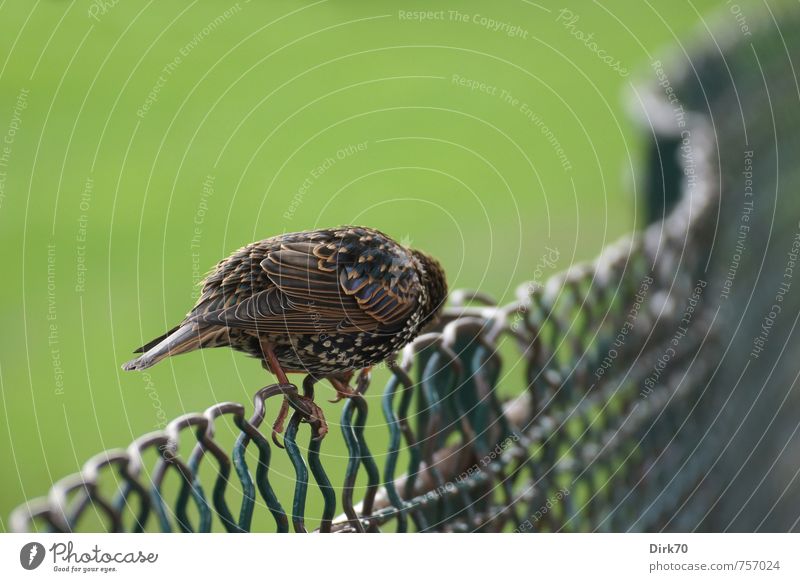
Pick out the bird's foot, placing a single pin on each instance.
(315, 418)
(342, 384)
(343, 390)
(309, 411)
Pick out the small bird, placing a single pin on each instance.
(322, 302)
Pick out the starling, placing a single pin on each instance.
(322, 302)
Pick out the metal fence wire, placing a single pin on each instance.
(658, 382)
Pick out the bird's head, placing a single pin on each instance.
(434, 281)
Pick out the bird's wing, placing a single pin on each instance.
(324, 287)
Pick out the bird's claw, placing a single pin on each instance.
(275, 432)
(277, 429)
(340, 397)
(309, 411)
(313, 415)
(343, 389)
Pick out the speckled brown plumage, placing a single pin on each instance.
(326, 301)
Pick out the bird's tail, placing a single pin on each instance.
(176, 341)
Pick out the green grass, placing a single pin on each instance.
(259, 103)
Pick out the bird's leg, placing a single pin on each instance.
(275, 368)
(302, 403)
(272, 361)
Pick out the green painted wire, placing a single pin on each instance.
(262, 481)
(301, 474)
(121, 500)
(248, 487)
(390, 466)
(475, 408)
(220, 503)
(353, 463)
(471, 406)
(188, 490)
(415, 453)
(432, 397)
(157, 502)
(492, 369)
(194, 490)
(365, 457)
(218, 495)
(318, 469)
(324, 484)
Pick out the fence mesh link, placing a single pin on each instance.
(658, 378)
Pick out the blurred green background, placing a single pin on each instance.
(144, 141)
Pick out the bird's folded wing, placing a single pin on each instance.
(324, 288)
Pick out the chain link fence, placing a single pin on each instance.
(659, 380)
